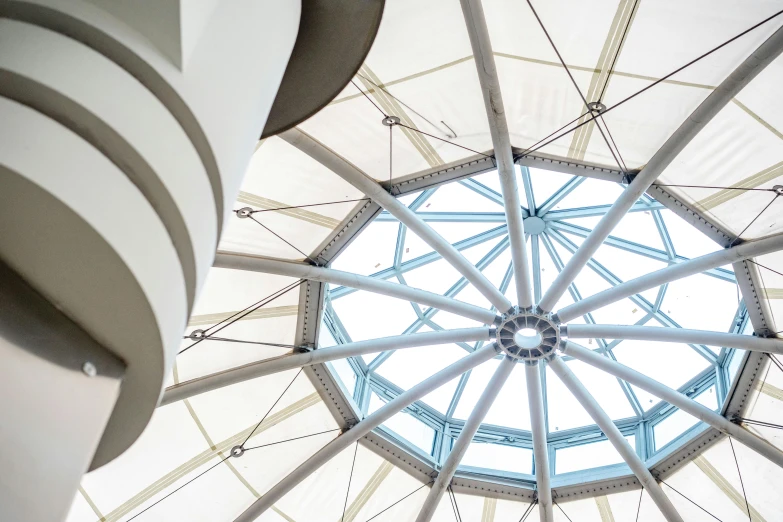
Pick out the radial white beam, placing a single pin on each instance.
(674, 335)
(535, 398)
(717, 99)
(371, 422)
(671, 273)
(470, 428)
(617, 439)
(254, 370)
(501, 141)
(406, 216)
(677, 399)
(370, 284)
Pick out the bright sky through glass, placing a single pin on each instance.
(562, 209)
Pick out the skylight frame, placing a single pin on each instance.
(642, 424)
(346, 412)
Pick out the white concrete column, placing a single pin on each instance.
(125, 131)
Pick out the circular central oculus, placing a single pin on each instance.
(527, 336)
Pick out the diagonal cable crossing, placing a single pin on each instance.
(648, 87)
(526, 295)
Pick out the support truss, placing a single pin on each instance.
(254, 370)
(673, 335)
(303, 271)
(443, 480)
(616, 438)
(672, 273)
(528, 291)
(498, 129)
(372, 189)
(718, 98)
(362, 428)
(535, 397)
(677, 399)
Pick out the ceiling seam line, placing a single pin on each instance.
(509, 56)
(404, 79)
(92, 504)
(727, 194)
(758, 118)
(369, 489)
(393, 108)
(717, 478)
(296, 213)
(599, 80)
(205, 456)
(261, 313)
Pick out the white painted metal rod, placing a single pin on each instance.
(254, 370)
(617, 439)
(677, 399)
(671, 273)
(371, 422)
(370, 284)
(470, 428)
(535, 399)
(372, 189)
(498, 129)
(674, 335)
(717, 99)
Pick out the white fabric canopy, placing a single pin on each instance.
(421, 69)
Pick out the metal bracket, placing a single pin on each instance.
(390, 121)
(596, 107)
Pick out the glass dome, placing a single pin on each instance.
(560, 210)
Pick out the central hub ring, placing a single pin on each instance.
(528, 336)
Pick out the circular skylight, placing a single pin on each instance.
(560, 211)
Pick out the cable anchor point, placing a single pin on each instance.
(596, 107)
(196, 335)
(237, 451)
(390, 121)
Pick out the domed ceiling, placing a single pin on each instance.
(526, 266)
